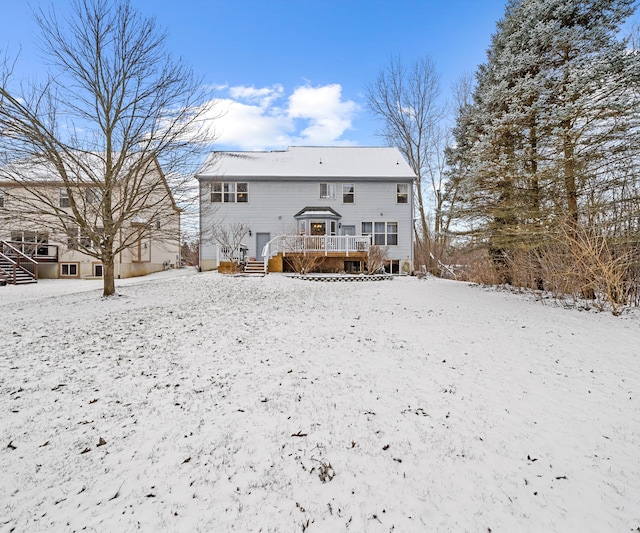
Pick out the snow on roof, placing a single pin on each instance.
(309, 161)
(317, 211)
(84, 167)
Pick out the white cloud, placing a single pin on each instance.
(328, 115)
(263, 96)
(261, 118)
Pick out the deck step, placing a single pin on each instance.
(254, 267)
(22, 277)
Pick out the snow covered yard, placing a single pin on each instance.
(199, 402)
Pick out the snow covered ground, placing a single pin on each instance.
(199, 402)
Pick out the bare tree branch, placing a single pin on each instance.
(119, 126)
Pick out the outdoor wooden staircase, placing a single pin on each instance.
(15, 267)
(255, 268)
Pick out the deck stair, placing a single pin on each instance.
(15, 267)
(255, 267)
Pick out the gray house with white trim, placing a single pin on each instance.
(329, 201)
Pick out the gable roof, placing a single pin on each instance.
(320, 162)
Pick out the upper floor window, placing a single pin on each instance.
(382, 233)
(64, 198)
(72, 236)
(348, 193)
(93, 195)
(229, 192)
(77, 238)
(402, 193)
(327, 190)
(1, 198)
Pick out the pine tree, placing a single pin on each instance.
(554, 122)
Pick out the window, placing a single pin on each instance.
(69, 269)
(318, 228)
(383, 233)
(1, 198)
(229, 192)
(30, 242)
(75, 237)
(379, 236)
(72, 236)
(93, 196)
(328, 190)
(348, 193)
(64, 198)
(402, 193)
(392, 233)
(242, 193)
(85, 240)
(392, 267)
(24, 236)
(216, 192)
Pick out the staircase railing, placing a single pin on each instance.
(18, 261)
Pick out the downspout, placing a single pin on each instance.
(179, 262)
(413, 234)
(199, 226)
(119, 254)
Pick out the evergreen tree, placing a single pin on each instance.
(552, 127)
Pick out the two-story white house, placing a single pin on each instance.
(334, 202)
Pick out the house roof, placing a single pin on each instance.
(85, 169)
(318, 162)
(318, 212)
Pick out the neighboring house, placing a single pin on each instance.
(333, 202)
(34, 245)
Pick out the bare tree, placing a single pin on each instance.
(406, 99)
(376, 259)
(306, 262)
(229, 237)
(117, 126)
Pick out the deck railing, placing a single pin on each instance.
(316, 244)
(36, 250)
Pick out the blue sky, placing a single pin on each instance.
(294, 72)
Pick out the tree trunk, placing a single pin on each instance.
(570, 183)
(108, 274)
